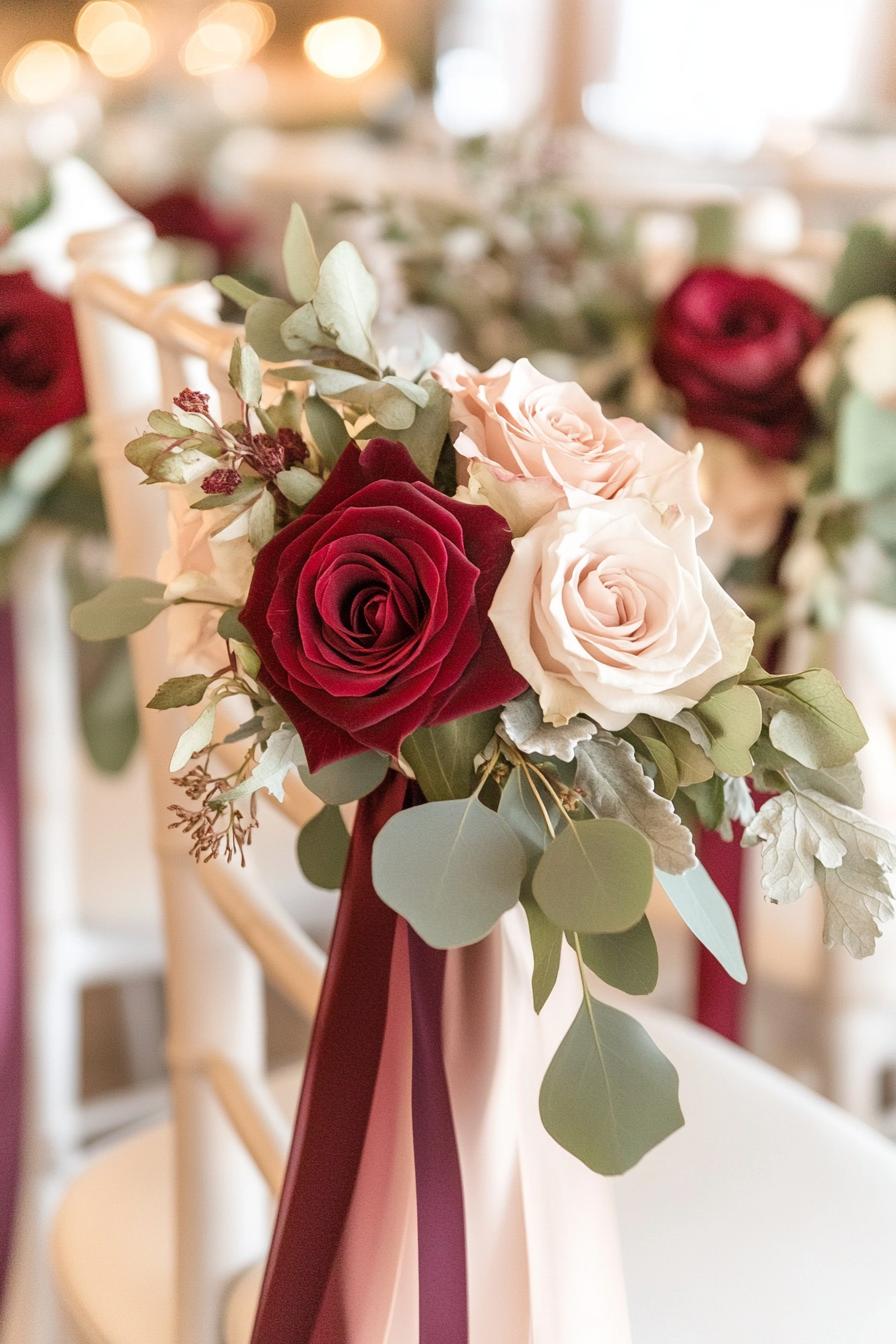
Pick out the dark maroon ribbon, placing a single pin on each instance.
(721, 1000)
(298, 1304)
(11, 1026)
(441, 1243)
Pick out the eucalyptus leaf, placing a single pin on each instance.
(43, 462)
(300, 262)
(595, 877)
(298, 485)
(322, 848)
(609, 1095)
(123, 608)
(442, 756)
(229, 626)
(346, 780)
(732, 719)
(425, 436)
(345, 302)
(236, 291)
(866, 447)
(547, 945)
(327, 430)
(264, 321)
(810, 718)
(709, 800)
(178, 691)
(867, 266)
(708, 916)
(163, 422)
(532, 816)
(262, 520)
(108, 711)
(628, 961)
(245, 493)
(245, 373)
(450, 868)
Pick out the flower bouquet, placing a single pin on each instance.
(473, 604)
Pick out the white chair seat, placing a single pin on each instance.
(113, 1238)
(770, 1216)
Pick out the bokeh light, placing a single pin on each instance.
(97, 15)
(42, 72)
(215, 47)
(256, 22)
(344, 48)
(122, 49)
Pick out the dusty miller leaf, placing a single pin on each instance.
(612, 784)
(283, 752)
(810, 718)
(522, 724)
(807, 837)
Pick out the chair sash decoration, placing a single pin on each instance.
(423, 1200)
(11, 1024)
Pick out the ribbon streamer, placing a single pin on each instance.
(301, 1299)
(11, 1025)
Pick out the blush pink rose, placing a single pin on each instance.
(608, 611)
(530, 443)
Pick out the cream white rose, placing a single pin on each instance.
(530, 442)
(608, 611)
(210, 561)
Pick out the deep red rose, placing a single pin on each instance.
(732, 345)
(183, 214)
(40, 373)
(370, 612)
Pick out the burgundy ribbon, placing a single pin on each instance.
(721, 1000)
(441, 1244)
(11, 1032)
(298, 1304)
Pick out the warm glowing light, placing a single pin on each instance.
(41, 72)
(344, 48)
(215, 47)
(122, 49)
(255, 21)
(100, 14)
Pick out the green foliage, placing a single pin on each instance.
(178, 691)
(327, 430)
(245, 373)
(628, 961)
(609, 1094)
(810, 718)
(866, 267)
(230, 627)
(300, 263)
(348, 779)
(547, 945)
(298, 485)
(442, 756)
(322, 848)
(866, 447)
(264, 321)
(732, 721)
(595, 877)
(708, 916)
(123, 608)
(450, 868)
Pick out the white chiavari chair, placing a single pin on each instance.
(152, 1240)
(139, 349)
